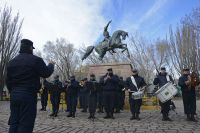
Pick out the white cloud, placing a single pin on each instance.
(152, 11)
(79, 21)
(131, 24)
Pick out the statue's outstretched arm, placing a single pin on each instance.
(106, 27)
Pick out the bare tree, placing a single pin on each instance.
(184, 48)
(158, 53)
(140, 51)
(10, 36)
(65, 56)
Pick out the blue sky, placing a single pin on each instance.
(81, 22)
(129, 14)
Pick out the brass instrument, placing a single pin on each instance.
(42, 88)
(193, 79)
(81, 83)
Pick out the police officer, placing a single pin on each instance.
(133, 84)
(81, 94)
(122, 84)
(55, 96)
(100, 99)
(72, 95)
(93, 86)
(65, 90)
(161, 79)
(188, 95)
(44, 96)
(110, 83)
(85, 93)
(23, 83)
(119, 96)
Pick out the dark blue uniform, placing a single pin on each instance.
(100, 99)
(44, 97)
(85, 95)
(189, 96)
(109, 91)
(119, 97)
(81, 97)
(55, 96)
(122, 96)
(93, 87)
(161, 80)
(65, 90)
(135, 104)
(23, 82)
(72, 95)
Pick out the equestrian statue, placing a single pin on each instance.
(109, 44)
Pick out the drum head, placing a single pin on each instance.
(162, 88)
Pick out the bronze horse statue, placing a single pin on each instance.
(115, 42)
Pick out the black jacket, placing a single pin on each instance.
(73, 88)
(110, 84)
(139, 81)
(161, 79)
(93, 87)
(57, 87)
(24, 72)
(120, 86)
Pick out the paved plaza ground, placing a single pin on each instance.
(150, 122)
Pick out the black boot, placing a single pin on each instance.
(133, 117)
(45, 108)
(193, 118)
(55, 115)
(93, 116)
(84, 110)
(164, 117)
(90, 116)
(188, 117)
(107, 116)
(137, 117)
(100, 110)
(111, 116)
(52, 114)
(42, 109)
(167, 117)
(69, 115)
(73, 115)
(117, 111)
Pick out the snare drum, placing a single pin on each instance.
(167, 92)
(137, 95)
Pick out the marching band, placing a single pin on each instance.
(23, 83)
(109, 94)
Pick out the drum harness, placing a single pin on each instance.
(135, 84)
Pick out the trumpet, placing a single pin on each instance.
(82, 83)
(193, 79)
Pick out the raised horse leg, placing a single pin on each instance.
(124, 48)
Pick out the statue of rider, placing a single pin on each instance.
(107, 36)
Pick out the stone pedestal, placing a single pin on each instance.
(121, 69)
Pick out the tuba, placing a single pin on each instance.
(194, 80)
